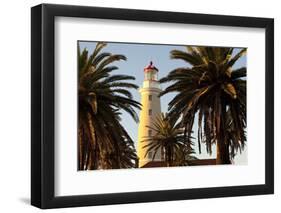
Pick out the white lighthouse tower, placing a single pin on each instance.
(151, 108)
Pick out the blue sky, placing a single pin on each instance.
(138, 56)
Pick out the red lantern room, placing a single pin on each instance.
(150, 72)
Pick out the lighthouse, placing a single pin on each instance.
(151, 108)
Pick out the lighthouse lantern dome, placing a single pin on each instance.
(150, 72)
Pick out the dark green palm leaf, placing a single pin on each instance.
(103, 141)
(208, 89)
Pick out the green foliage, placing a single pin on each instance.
(170, 139)
(210, 88)
(103, 141)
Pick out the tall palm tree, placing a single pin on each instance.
(214, 93)
(170, 139)
(103, 142)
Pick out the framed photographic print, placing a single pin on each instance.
(140, 106)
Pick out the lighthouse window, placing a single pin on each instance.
(149, 76)
(154, 76)
(149, 132)
(150, 111)
(150, 97)
(146, 76)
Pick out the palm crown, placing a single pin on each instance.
(103, 141)
(212, 92)
(170, 139)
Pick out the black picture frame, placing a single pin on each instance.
(43, 102)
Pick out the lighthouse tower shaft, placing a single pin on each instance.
(151, 109)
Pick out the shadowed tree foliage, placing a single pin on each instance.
(211, 91)
(103, 143)
(168, 137)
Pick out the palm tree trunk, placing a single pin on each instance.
(222, 153)
(222, 144)
(169, 157)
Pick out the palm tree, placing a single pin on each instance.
(169, 138)
(103, 142)
(213, 93)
